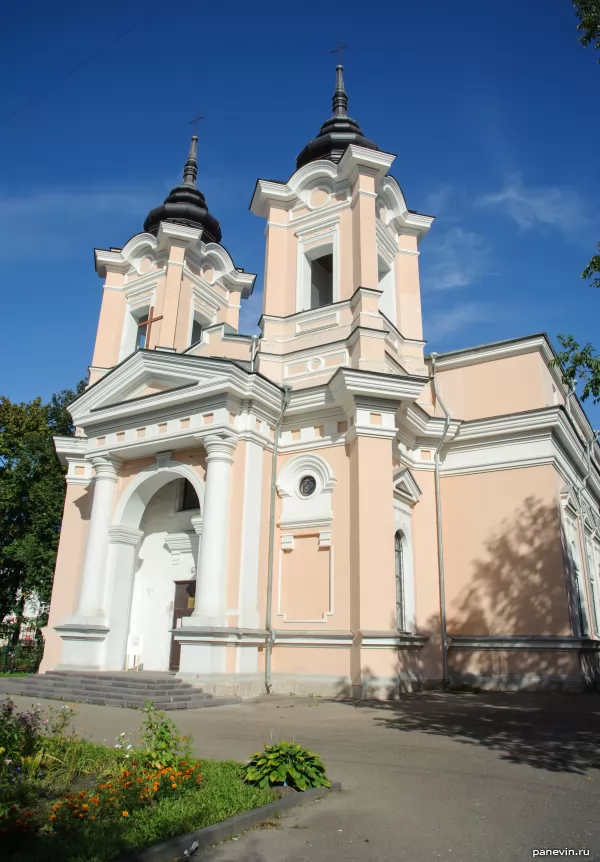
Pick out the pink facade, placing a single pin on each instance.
(323, 572)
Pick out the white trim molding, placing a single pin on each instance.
(523, 643)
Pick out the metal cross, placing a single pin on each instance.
(148, 324)
(195, 122)
(340, 48)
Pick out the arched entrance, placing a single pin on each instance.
(154, 542)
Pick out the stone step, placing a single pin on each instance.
(168, 680)
(148, 693)
(125, 699)
(68, 690)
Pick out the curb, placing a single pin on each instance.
(176, 847)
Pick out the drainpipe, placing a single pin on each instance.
(440, 537)
(579, 489)
(254, 351)
(270, 639)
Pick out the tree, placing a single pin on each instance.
(32, 492)
(582, 364)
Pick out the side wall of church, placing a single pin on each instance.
(513, 384)
(505, 568)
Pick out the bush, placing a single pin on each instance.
(19, 731)
(161, 744)
(286, 763)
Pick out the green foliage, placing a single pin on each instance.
(161, 743)
(32, 491)
(20, 734)
(286, 763)
(579, 364)
(592, 270)
(588, 12)
(67, 798)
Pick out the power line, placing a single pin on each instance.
(64, 77)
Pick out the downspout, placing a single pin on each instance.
(254, 351)
(440, 537)
(270, 639)
(580, 521)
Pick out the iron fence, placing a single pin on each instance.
(21, 648)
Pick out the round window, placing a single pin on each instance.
(307, 486)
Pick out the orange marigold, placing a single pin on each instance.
(125, 813)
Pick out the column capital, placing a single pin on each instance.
(119, 535)
(105, 467)
(220, 447)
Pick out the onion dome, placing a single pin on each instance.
(185, 204)
(337, 133)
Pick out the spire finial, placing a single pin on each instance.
(340, 97)
(190, 170)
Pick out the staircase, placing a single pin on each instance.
(113, 688)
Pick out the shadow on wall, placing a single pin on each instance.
(518, 587)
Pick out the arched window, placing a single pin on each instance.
(399, 560)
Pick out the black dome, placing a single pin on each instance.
(337, 133)
(185, 204)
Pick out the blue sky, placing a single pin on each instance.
(490, 107)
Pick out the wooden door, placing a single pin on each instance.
(183, 606)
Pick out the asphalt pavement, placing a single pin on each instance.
(453, 777)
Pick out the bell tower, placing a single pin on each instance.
(173, 287)
(341, 270)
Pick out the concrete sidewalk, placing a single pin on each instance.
(443, 776)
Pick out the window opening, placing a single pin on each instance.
(189, 497)
(321, 281)
(196, 332)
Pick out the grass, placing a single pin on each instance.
(77, 765)
(16, 673)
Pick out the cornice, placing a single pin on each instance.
(523, 643)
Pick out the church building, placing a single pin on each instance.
(324, 508)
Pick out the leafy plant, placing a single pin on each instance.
(286, 763)
(161, 744)
(20, 732)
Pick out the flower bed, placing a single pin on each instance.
(66, 798)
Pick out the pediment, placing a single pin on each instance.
(405, 486)
(146, 379)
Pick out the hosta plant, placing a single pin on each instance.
(286, 763)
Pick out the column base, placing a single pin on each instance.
(83, 644)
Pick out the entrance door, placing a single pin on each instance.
(183, 606)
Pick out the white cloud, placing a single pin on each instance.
(445, 322)
(456, 258)
(531, 208)
(59, 222)
(436, 201)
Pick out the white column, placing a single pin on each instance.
(91, 597)
(212, 564)
(121, 562)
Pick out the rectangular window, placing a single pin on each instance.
(196, 332)
(321, 281)
(142, 329)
